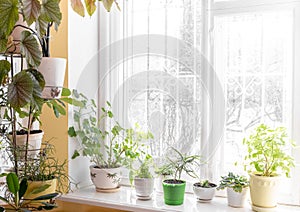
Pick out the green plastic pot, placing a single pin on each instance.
(174, 192)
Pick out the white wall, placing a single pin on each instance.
(83, 76)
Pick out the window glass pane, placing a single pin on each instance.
(253, 57)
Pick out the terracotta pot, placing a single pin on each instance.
(53, 70)
(105, 180)
(264, 190)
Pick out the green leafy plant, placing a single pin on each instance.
(183, 163)
(15, 198)
(267, 151)
(105, 148)
(236, 182)
(46, 167)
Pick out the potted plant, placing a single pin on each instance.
(15, 200)
(268, 158)
(237, 189)
(108, 149)
(143, 178)
(174, 188)
(204, 190)
(45, 172)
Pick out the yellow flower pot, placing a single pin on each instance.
(37, 184)
(264, 191)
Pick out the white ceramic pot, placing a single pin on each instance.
(53, 70)
(105, 180)
(144, 187)
(34, 143)
(204, 194)
(237, 199)
(264, 190)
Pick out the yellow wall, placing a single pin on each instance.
(56, 129)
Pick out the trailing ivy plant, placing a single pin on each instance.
(236, 182)
(107, 147)
(268, 151)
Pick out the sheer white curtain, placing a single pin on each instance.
(154, 72)
(202, 74)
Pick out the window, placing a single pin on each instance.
(174, 62)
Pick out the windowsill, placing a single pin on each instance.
(125, 199)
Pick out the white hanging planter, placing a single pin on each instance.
(53, 70)
(105, 180)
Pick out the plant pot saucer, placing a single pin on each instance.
(143, 197)
(204, 200)
(261, 209)
(113, 190)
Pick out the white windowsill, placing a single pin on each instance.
(125, 199)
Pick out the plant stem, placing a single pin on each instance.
(27, 138)
(14, 136)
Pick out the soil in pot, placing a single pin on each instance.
(174, 191)
(204, 194)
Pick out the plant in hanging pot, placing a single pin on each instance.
(237, 189)
(174, 189)
(204, 190)
(268, 157)
(14, 199)
(107, 147)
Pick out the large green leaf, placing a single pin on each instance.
(31, 9)
(3, 42)
(23, 187)
(8, 15)
(4, 69)
(12, 182)
(31, 49)
(40, 189)
(38, 86)
(41, 25)
(90, 6)
(20, 90)
(46, 197)
(78, 7)
(51, 9)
